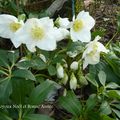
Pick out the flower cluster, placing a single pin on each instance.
(44, 33)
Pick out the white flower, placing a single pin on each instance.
(60, 71)
(61, 33)
(81, 27)
(74, 65)
(38, 33)
(8, 26)
(73, 82)
(92, 53)
(63, 22)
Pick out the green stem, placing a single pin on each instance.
(20, 114)
(111, 39)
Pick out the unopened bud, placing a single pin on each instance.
(60, 71)
(65, 79)
(73, 82)
(74, 65)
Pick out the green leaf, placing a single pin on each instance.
(71, 103)
(102, 77)
(117, 112)
(91, 102)
(91, 79)
(105, 117)
(114, 62)
(24, 73)
(112, 85)
(13, 56)
(40, 93)
(114, 94)
(21, 89)
(105, 108)
(4, 116)
(52, 70)
(37, 117)
(5, 90)
(25, 64)
(111, 76)
(116, 106)
(2, 72)
(76, 47)
(39, 64)
(3, 58)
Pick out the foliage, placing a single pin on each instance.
(79, 78)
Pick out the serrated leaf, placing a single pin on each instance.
(71, 103)
(24, 73)
(102, 77)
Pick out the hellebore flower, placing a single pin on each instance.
(92, 53)
(81, 26)
(38, 33)
(9, 25)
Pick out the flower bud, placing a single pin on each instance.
(65, 79)
(74, 65)
(60, 71)
(73, 82)
(83, 80)
(62, 22)
(43, 58)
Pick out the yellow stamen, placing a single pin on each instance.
(15, 26)
(92, 53)
(37, 33)
(78, 25)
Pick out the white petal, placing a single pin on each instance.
(61, 34)
(88, 20)
(4, 18)
(5, 32)
(46, 22)
(64, 22)
(93, 59)
(48, 44)
(20, 37)
(101, 48)
(31, 47)
(84, 35)
(85, 64)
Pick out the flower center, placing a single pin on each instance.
(78, 25)
(37, 33)
(15, 26)
(92, 53)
